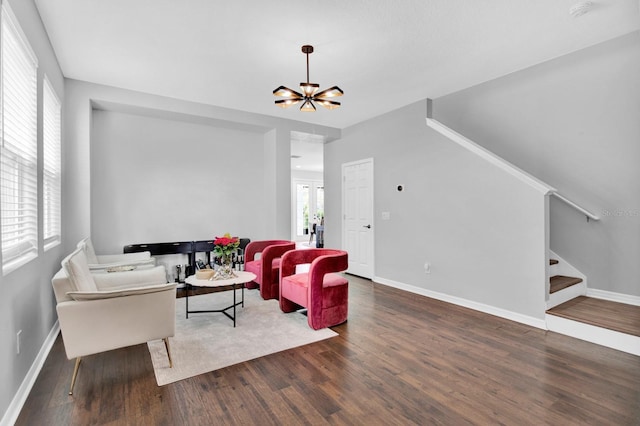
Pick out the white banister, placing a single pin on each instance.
(541, 186)
(585, 212)
(490, 157)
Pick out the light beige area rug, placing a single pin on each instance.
(208, 341)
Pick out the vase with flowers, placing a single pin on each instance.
(224, 247)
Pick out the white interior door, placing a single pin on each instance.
(357, 216)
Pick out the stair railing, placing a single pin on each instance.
(500, 162)
(585, 212)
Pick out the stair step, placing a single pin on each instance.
(553, 261)
(560, 282)
(620, 317)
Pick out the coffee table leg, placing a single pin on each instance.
(186, 289)
(234, 305)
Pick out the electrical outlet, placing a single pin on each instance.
(18, 334)
(427, 268)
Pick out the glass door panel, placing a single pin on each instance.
(302, 209)
(319, 195)
(308, 208)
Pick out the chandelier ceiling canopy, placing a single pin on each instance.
(309, 93)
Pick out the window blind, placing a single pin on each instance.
(51, 182)
(18, 152)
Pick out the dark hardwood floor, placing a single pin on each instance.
(400, 359)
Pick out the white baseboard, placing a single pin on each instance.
(492, 310)
(11, 415)
(600, 336)
(614, 297)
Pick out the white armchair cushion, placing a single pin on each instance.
(108, 294)
(87, 246)
(141, 260)
(106, 261)
(77, 269)
(141, 256)
(136, 278)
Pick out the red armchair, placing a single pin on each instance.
(324, 293)
(267, 278)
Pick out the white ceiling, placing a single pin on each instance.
(307, 152)
(383, 54)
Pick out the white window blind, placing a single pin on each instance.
(51, 116)
(18, 153)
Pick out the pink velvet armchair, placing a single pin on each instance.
(267, 278)
(324, 293)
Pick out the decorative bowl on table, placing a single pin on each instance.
(204, 274)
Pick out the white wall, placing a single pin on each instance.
(306, 175)
(573, 122)
(155, 180)
(27, 301)
(481, 229)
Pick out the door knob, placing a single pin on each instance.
(366, 226)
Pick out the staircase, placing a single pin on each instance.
(612, 324)
(571, 312)
(565, 282)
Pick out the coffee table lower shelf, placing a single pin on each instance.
(233, 284)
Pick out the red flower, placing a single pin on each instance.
(225, 241)
(226, 245)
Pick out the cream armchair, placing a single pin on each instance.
(102, 311)
(114, 261)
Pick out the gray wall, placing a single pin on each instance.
(481, 228)
(155, 180)
(27, 301)
(157, 123)
(305, 175)
(573, 122)
(589, 100)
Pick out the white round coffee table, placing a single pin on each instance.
(235, 283)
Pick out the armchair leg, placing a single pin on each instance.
(75, 374)
(166, 345)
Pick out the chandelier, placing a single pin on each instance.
(309, 93)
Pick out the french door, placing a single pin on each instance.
(308, 207)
